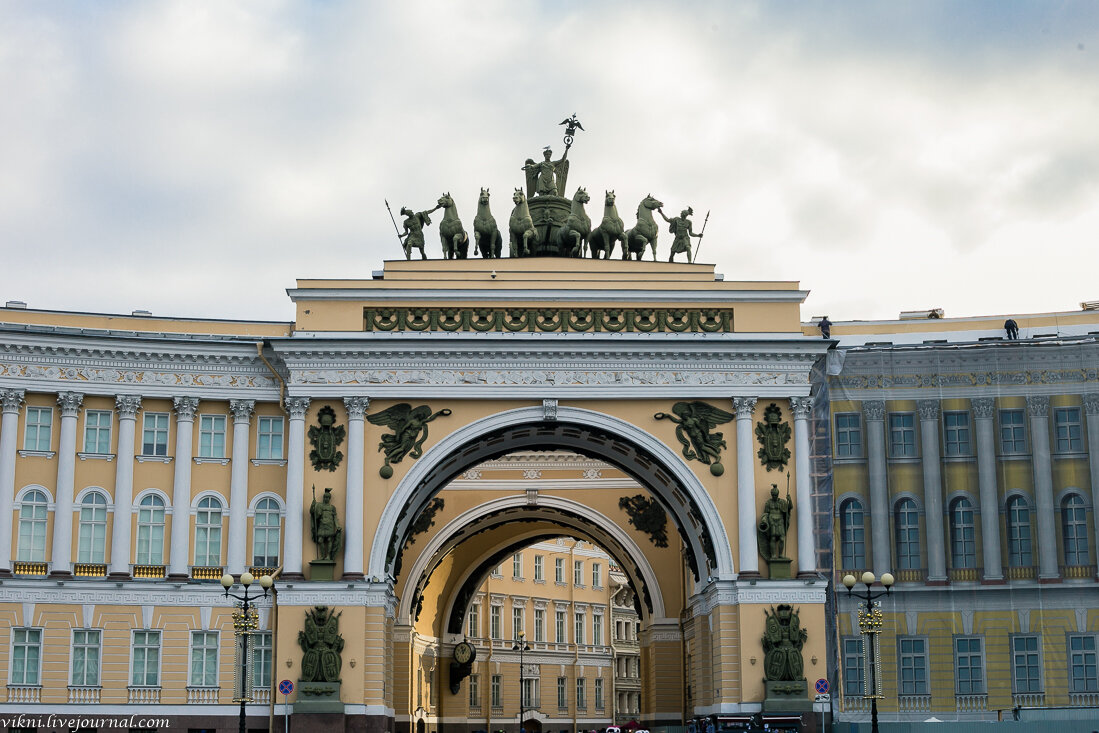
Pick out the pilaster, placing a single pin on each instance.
(1091, 408)
(930, 462)
(11, 402)
(983, 409)
(874, 411)
(1038, 409)
(807, 556)
(180, 553)
(296, 407)
(70, 403)
(746, 486)
(238, 485)
(353, 542)
(127, 408)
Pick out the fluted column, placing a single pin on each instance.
(11, 402)
(807, 555)
(1091, 407)
(353, 543)
(874, 411)
(746, 486)
(127, 405)
(295, 487)
(61, 556)
(180, 553)
(983, 412)
(1038, 409)
(238, 485)
(932, 490)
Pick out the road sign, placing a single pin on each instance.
(822, 698)
(822, 686)
(286, 687)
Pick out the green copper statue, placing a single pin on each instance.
(680, 228)
(773, 526)
(324, 526)
(487, 240)
(413, 237)
(452, 234)
(548, 177)
(783, 639)
(645, 231)
(409, 426)
(322, 645)
(693, 423)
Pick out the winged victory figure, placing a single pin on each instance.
(409, 426)
(694, 421)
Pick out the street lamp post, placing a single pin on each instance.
(245, 621)
(521, 646)
(870, 624)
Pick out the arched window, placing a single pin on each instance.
(150, 531)
(91, 544)
(208, 533)
(265, 534)
(852, 535)
(907, 523)
(1020, 549)
(1074, 529)
(32, 527)
(963, 541)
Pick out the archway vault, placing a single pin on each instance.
(654, 465)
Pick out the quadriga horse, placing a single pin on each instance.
(644, 232)
(454, 238)
(612, 229)
(486, 237)
(521, 226)
(572, 237)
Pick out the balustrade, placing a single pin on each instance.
(914, 703)
(84, 695)
(202, 695)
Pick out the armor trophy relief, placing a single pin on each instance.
(547, 222)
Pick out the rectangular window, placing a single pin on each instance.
(97, 431)
(516, 622)
(913, 665)
(848, 435)
(902, 435)
(145, 671)
(579, 627)
(1012, 432)
(473, 626)
(37, 433)
(559, 631)
(854, 673)
(581, 699)
(26, 657)
(497, 572)
(494, 623)
(956, 434)
(562, 693)
(969, 667)
(597, 629)
(517, 566)
(559, 569)
(1066, 426)
(475, 691)
(596, 575)
(1026, 664)
(599, 693)
(497, 697)
(269, 438)
(539, 568)
(530, 692)
(539, 624)
(154, 434)
(85, 656)
(261, 660)
(211, 436)
(204, 659)
(577, 572)
(1082, 663)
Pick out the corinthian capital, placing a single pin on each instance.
(356, 407)
(929, 409)
(70, 403)
(127, 405)
(1038, 405)
(242, 410)
(185, 408)
(874, 409)
(801, 407)
(1091, 403)
(983, 407)
(11, 399)
(744, 407)
(297, 407)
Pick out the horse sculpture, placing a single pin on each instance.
(644, 232)
(612, 229)
(486, 236)
(454, 238)
(572, 237)
(523, 235)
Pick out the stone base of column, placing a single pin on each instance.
(60, 574)
(749, 575)
(1054, 579)
(178, 578)
(119, 576)
(353, 576)
(6, 573)
(937, 583)
(993, 581)
(296, 577)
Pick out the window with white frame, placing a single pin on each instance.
(26, 657)
(154, 434)
(97, 431)
(33, 510)
(497, 572)
(475, 691)
(145, 669)
(848, 435)
(912, 653)
(539, 624)
(204, 659)
(1067, 429)
(854, 671)
(597, 628)
(265, 534)
(599, 704)
(37, 432)
(963, 542)
(494, 631)
(208, 532)
(211, 436)
(596, 575)
(1082, 663)
(581, 697)
(852, 535)
(578, 572)
(1012, 432)
(580, 624)
(539, 568)
(902, 435)
(1074, 530)
(150, 531)
(1020, 549)
(473, 621)
(261, 660)
(562, 693)
(496, 693)
(91, 546)
(559, 630)
(269, 438)
(85, 657)
(517, 566)
(1026, 663)
(516, 622)
(969, 666)
(956, 438)
(907, 527)
(530, 692)
(559, 569)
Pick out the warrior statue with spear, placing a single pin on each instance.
(414, 224)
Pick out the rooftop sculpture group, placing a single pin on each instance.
(545, 223)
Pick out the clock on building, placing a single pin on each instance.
(464, 653)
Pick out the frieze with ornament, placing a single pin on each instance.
(971, 379)
(675, 320)
(546, 377)
(92, 375)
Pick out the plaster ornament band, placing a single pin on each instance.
(613, 320)
(549, 377)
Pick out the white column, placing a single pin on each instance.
(932, 490)
(295, 487)
(180, 553)
(746, 486)
(353, 536)
(874, 410)
(70, 403)
(127, 405)
(1038, 408)
(11, 401)
(1091, 407)
(238, 485)
(807, 555)
(984, 408)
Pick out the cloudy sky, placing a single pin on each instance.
(194, 158)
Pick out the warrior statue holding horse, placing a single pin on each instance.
(612, 229)
(486, 236)
(454, 238)
(644, 232)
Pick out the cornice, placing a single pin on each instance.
(617, 296)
